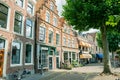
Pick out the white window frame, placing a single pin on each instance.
(21, 54)
(22, 29)
(44, 34)
(47, 17)
(31, 54)
(8, 18)
(52, 6)
(23, 2)
(29, 3)
(31, 28)
(55, 21)
(52, 37)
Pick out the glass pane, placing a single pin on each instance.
(42, 33)
(28, 53)
(20, 3)
(18, 17)
(30, 8)
(2, 43)
(29, 22)
(16, 47)
(3, 9)
(28, 31)
(3, 20)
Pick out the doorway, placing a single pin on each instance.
(50, 63)
(1, 61)
(57, 62)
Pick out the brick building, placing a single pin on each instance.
(69, 45)
(16, 36)
(48, 35)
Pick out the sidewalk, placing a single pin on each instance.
(37, 76)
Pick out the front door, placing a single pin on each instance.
(50, 63)
(1, 61)
(57, 62)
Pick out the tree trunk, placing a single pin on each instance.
(106, 58)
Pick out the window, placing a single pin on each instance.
(28, 58)
(50, 36)
(2, 43)
(16, 52)
(57, 38)
(29, 28)
(52, 6)
(42, 34)
(55, 21)
(19, 3)
(3, 16)
(48, 17)
(64, 40)
(18, 23)
(30, 8)
(43, 58)
(73, 56)
(69, 43)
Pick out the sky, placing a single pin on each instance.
(59, 4)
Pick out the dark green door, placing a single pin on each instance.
(57, 62)
(50, 63)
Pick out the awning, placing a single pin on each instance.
(85, 56)
(99, 55)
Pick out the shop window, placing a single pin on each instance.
(3, 16)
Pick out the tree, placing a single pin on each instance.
(98, 14)
(113, 40)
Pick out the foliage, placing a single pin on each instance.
(67, 65)
(75, 63)
(98, 14)
(85, 14)
(113, 40)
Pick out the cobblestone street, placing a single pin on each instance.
(88, 72)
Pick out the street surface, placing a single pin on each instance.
(88, 72)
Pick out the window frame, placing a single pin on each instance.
(18, 3)
(31, 63)
(21, 53)
(21, 26)
(47, 17)
(31, 7)
(32, 28)
(57, 39)
(42, 34)
(52, 7)
(55, 21)
(50, 38)
(7, 16)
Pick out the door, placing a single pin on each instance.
(57, 62)
(50, 63)
(1, 61)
